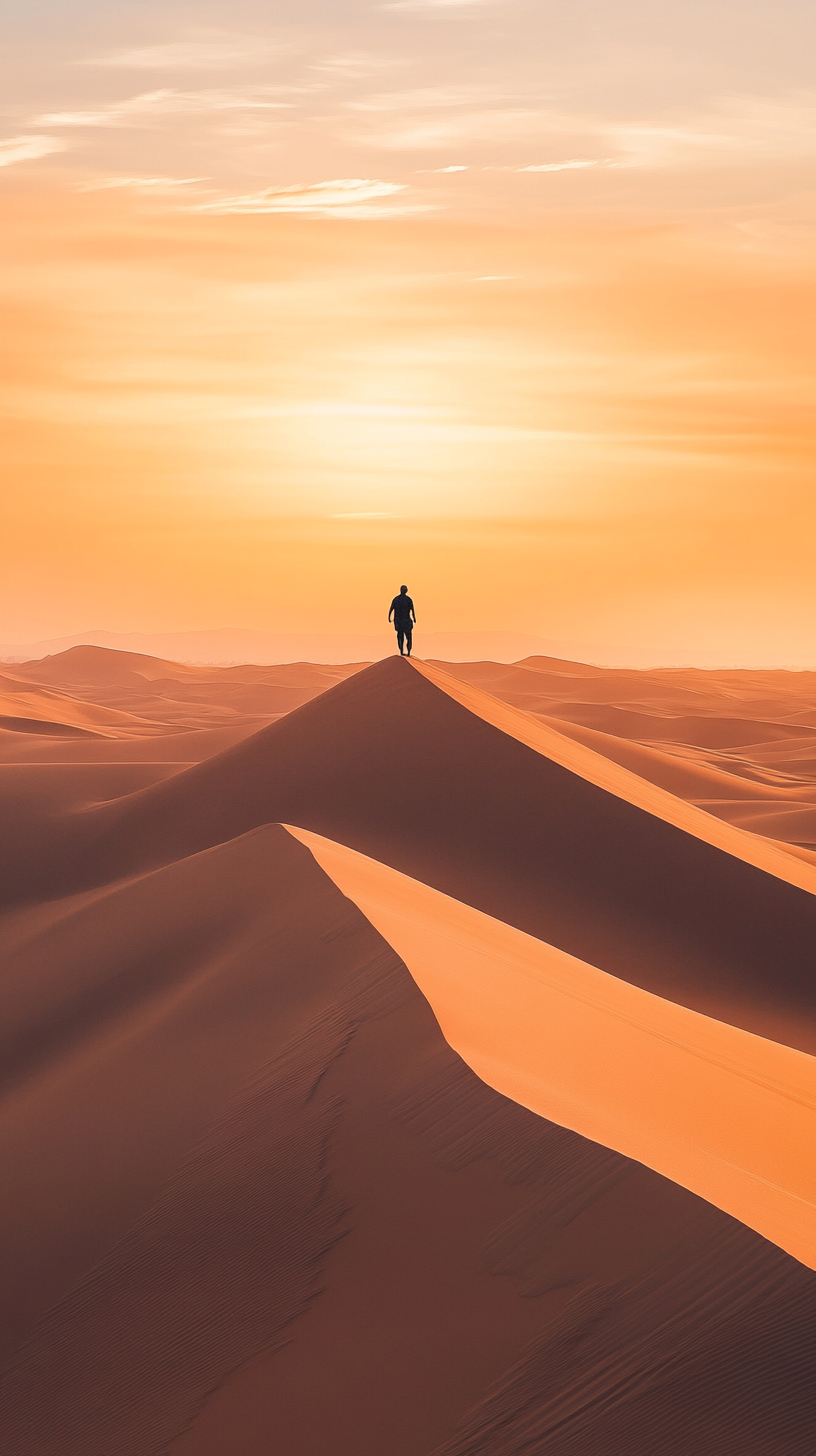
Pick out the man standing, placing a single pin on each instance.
(403, 611)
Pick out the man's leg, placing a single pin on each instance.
(409, 636)
(400, 637)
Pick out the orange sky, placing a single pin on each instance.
(580, 411)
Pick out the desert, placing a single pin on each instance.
(408, 1057)
(407, 729)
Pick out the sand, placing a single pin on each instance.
(258, 1196)
(578, 853)
(720, 1111)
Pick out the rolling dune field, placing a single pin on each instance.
(410, 1058)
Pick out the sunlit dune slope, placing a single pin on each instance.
(712, 737)
(254, 1202)
(671, 701)
(32, 708)
(391, 763)
(687, 777)
(723, 1112)
(634, 788)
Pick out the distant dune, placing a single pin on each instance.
(230, 645)
(234, 645)
(469, 1116)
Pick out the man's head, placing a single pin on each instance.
(403, 589)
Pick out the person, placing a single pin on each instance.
(403, 611)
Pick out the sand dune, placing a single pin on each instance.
(686, 776)
(690, 713)
(254, 1201)
(616, 872)
(724, 1113)
(185, 747)
(179, 694)
(51, 728)
(241, 1153)
(42, 711)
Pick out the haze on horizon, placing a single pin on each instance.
(507, 300)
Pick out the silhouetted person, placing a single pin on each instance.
(403, 610)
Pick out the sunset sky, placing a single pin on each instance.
(509, 300)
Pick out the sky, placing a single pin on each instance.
(510, 300)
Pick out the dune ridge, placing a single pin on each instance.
(616, 779)
(722, 1112)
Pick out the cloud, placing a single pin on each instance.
(426, 98)
(354, 66)
(453, 118)
(28, 148)
(342, 197)
(164, 103)
(190, 55)
(569, 166)
(736, 132)
(158, 184)
(740, 130)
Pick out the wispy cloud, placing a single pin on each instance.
(426, 98)
(435, 117)
(492, 127)
(736, 132)
(215, 53)
(343, 197)
(164, 103)
(354, 66)
(740, 130)
(28, 148)
(147, 184)
(572, 165)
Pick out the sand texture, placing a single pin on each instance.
(470, 1114)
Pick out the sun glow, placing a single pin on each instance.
(358, 307)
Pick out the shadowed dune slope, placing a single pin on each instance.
(14, 723)
(254, 1202)
(391, 764)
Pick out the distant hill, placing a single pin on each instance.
(225, 646)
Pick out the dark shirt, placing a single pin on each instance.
(402, 607)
